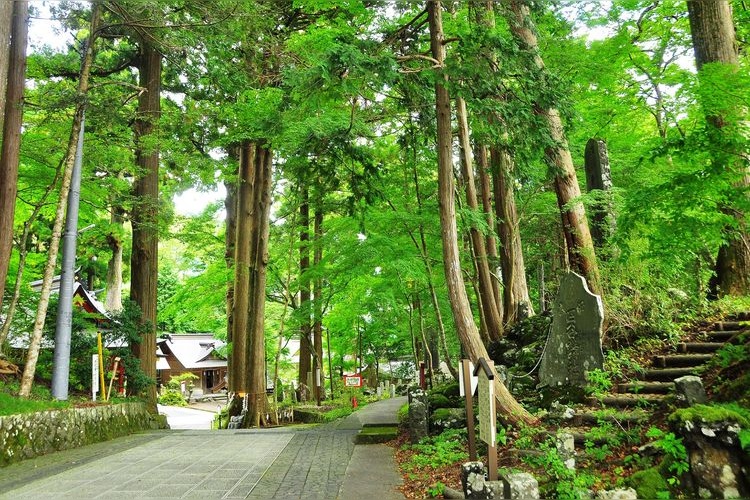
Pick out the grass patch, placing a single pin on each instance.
(10, 405)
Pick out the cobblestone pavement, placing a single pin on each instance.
(309, 463)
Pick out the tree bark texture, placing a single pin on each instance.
(508, 407)
(144, 260)
(16, 79)
(6, 22)
(258, 264)
(581, 254)
(305, 344)
(113, 299)
(714, 42)
(486, 297)
(27, 379)
(230, 234)
(515, 290)
(241, 297)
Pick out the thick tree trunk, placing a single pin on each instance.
(714, 42)
(486, 296)
(305, 344)
(113, 299)
(230, 234)
(581, 254)
(238, 369)
(144, 260)
(27, 379)
(258, 263)
(509, 409)
(318, 302)
(515, 292)
(16, 78)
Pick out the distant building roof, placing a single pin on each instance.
(161, 359)
(194, 350)
(89, 301)
(82, 299)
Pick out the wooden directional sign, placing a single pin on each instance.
(486, 398)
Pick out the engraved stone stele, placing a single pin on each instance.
(574, 346)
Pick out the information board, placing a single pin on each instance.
(487, 415)
(353, 381)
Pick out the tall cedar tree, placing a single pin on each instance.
(13, 118)
(144, 268)
(714, 42)
(507, 406)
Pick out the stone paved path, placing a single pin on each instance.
(310, 463)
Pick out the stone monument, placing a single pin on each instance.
(574, 346)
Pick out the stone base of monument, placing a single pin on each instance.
(510, 486)
(566, 394)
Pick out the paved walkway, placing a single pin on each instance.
(321, 462)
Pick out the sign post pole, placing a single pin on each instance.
(487, 413)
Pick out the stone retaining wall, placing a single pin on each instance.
(29, 435)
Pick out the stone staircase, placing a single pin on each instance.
(632, 405)
(656, 383)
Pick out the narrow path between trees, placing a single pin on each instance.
(321, 462)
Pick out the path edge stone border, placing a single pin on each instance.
(28, 435)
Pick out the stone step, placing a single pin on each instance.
(620, 417)
(699, 347)
(626, 400)
(729, 325)
(722, 335)
(667, 374)
(643, 387)
(677, 360)
(376, 434)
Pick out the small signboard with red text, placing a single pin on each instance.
(352, 380)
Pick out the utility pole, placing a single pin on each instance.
(64, 324)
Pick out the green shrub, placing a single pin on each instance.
(403, 414)
(649, 483)
(336, 413)
(445, 396)
(438, 401)
(172, 397)
(446, 448)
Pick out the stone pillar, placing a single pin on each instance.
(473, 481)
(418, 424)
(520, 486)
(566, 449)
(599, 177)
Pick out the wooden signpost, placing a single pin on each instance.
(487, 413)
